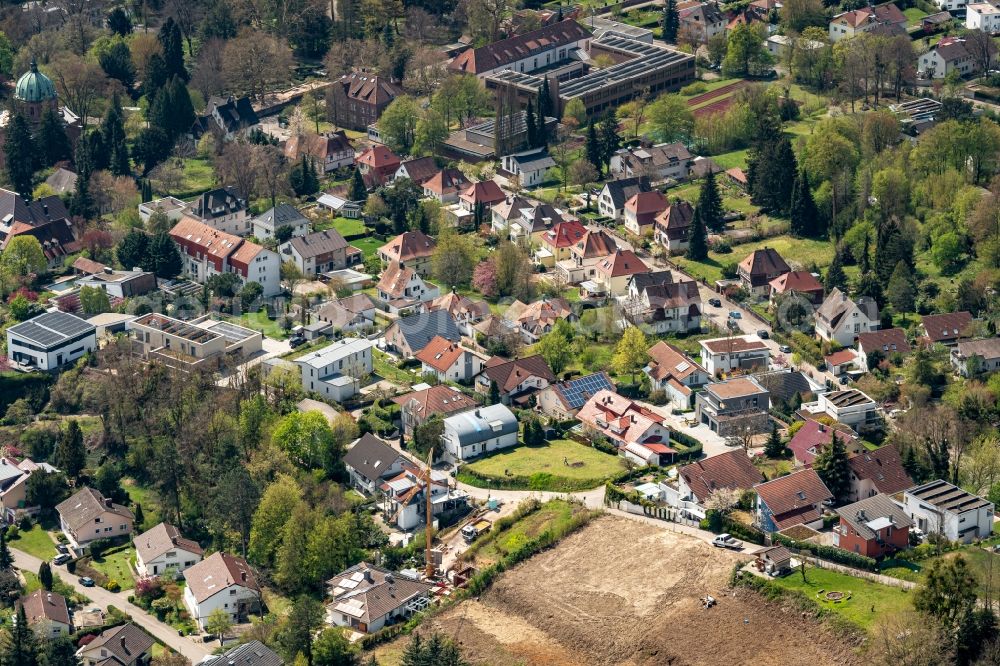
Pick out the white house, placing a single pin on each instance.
(983, 16)
(366, 598)
(172, 207)
(471, 434)
(949, 55)
(736, 353)
(337, 370)
(369, 460)
(659, 162)
(530, 167)
(672, 372)
(402, 287)
(938, 507)
(162, 549)
(450, 361)
(206, 251)
(50, 340)
(221, 581)
(525, 52)
(267, 224)
(47, 614)
(850, 407)
(840, 319)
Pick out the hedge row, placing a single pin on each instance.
(830, 553)
(542, 481)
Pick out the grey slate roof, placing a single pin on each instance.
(419, 329)
(784, 385)
(317, 243)
(623, 189)
(863, 513)
(253, 653)
(370, 456)
(281, 215)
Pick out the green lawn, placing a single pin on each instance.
(369, 246)
(913, 15)
(258, 321)
(551, 459)
(385, 369)
(798, 252)
(734, 159)
(35, 541)
(145, 497)
(116, 567)
(552, 514)
(868, 600)
(345, 226)
(199, 176)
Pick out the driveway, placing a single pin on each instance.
(269, 349)
(194, 651)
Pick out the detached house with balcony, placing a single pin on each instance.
(163, 550)
(611, 200)
(328, 152)
(320, 252)
(378, 165)
(849, 407)
(562, 400)
(412, 249)
(659, 162)
(612, 275)
(734, 407)
(366, 598)
(337, 371)
(537, 318)
(418, 406)
(938, 507)
(476, 432)
(555, 244)
(87, 516)
(795, 499)
(268, 224)
(759, 268)
(657, 304)
(370, 461)
(672, 227)
(695, 484)
(516, 380)
(974, 358)
(408, 335)
(738, 353)
(222, 209)
(874, 527)
(585, 254)
(884, 343)
(672, 372)
(947, 56)
(221, 582)
(877, 472)
(840, 319)
(642, 209)
(947, 329)
(402, 289)
(450, 361)
(641, 434)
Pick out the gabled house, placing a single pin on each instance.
(738, 353)
(938, 507)
(267, 224)
(877, 472)
(476, 432)
(445, 185)
(655, 303)
(642, 209)
(163, 550)
(947, 56)
(672, 227)
(47, 614)
(251, 653)
(516, 380)
(348, 314)
(696, 482)
(206, 251)
(370, 461)
(883, 342)
(14, 486)
(972, 358)
(221, 581)
(450, 361)
(840, 319)
(401, 288)
(795, 499)
(810, 439)
(841, 361)
(378, 165)
(611, 200)
(802, 283)
(529, 167)
(485, 194)
(581, 266)
(874, 527)
(624, 422)
(702, 21)
(758, 269)
(358, 99)
(849, 407)
(366, 598)
(408, 335)
(734, 407)
(867, 19)
(328, 152)
(947, 329)
(124, 645)
(562, 400)
(419, 170)
(505, 213)
(320, 252)
(537, 318)
(659, 162)
(418, 406)
(536, 49)
(412, 249)
(231, 115)
(466, 311)
(222, 209)
(674, 373)
(612, 274)
(555, 243)
(87, 516)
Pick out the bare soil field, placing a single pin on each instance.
(626, 593)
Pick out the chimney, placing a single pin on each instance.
(45, 209)
(478, 414)
(243, 576)
(108, 503)
(121, 640)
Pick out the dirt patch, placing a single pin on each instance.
(627, 593)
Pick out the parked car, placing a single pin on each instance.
(715, 302)
(296, 341)
(844, 379)
(87, 581)
(62, 558)
(735, 314)
(763, 334)
(62, 548)
(785, 349)
(727, 541)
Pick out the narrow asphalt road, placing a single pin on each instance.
(101, 597)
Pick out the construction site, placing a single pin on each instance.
(620, 591)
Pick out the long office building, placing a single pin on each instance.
(641, 68)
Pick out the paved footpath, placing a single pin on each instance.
(101, 597)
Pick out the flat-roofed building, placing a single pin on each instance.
(336, 371)
(192, 344)
(50, 340)
(938, 507)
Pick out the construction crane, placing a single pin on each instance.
(425, 476)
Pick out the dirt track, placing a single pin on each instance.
(625, 593)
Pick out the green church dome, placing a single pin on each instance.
(34, 86)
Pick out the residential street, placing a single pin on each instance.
(195, 651)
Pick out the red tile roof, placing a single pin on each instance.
(812, 437)
(947, 327)
(486, 192)
(732, 469)
(507, 51)
(408, 246)
(622, 262)
(440, 399)
(643, 203)
(800, 281)
(840, 357)
(886, 340)
(793, 493)
(669, 361)
(509, 374)
(378, 157)
(883, 467)
(765, 261)
(440, 353)
(564, 234)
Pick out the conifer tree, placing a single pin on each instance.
(710, 204)
(865, 260)
(544, 99)
(771, 175)
(869, 285)
(593, 147)
(671, 21)
(115, 140)
(358, 190)
(610, 140)
(82, 203)
(901, 291)
(832, 467)
(53, 144)
(774, 447)
(173, 49)
(529, 121)
(45, 575)
(802, 211)
(70, 453)
(164, 256)
(6, 559)
(835, 276)
(20, 647)
(19, 149)
(698, 241)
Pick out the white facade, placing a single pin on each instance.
(174, 560)
(934, 66)
(474, 433)
(983, 16)
(336, 371)
(530, 172)
(229, 599)
(950, 5)
(46, 344)
(850, 407)
(940, 508)
(540, 59)
(719, 356)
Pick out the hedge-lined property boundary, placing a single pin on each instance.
(830, 553)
